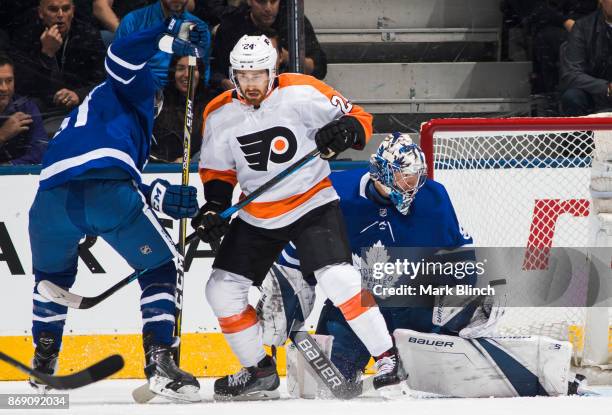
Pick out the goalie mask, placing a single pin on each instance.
(399, 165)
(253, 53)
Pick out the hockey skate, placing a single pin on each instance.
(250, 383)
(166, 379)
(389, 369)
(45, 360)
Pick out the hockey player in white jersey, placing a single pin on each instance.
(251, 134)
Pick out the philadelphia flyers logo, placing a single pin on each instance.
(277, 145)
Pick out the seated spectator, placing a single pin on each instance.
(153, 15)
(257, 16)
(586, 64)
(59, 58)
(168, 129)
(22, 136)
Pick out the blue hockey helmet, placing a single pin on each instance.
(399, 165)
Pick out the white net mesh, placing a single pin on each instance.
(521, 186)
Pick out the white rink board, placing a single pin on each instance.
(120, 313)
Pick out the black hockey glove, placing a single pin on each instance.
(338, 135)
(208, 224)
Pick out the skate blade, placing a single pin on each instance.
(143, 394)
(252, 396)
(186, 394)
(39, 388)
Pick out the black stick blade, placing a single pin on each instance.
(94, 373)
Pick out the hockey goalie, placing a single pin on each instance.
(447, 347)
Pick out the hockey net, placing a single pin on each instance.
(524, 182)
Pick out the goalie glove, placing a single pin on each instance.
(478, 318)
(339, 135)
(176, 201)
(285, 297)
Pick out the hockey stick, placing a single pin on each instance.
(325, 369)
(188, 129)
(310, 350)
(143, 394)
(63, 297)
(94, 373)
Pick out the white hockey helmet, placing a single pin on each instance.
(253, 53)
(399, 165)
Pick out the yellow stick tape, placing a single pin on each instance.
(203, 354)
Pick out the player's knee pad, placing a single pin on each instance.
(227, 293)
(339, 282)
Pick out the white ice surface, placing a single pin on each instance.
(114, 397)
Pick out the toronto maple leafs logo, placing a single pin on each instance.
(366, 263)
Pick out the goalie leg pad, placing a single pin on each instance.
(286, 302)
(479, 368)
(342, 285)
(227, 293)
(302, 382)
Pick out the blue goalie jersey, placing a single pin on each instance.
(431, 222)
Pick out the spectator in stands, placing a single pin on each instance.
(59, 58)
(153, 15)
(254, 17)
(168, 130)
(586, 64)
(546, 25)
(22, 136)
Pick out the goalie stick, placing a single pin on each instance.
(94, 373)
(326, 370)
(64, 297)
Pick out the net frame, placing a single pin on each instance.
(510, 155)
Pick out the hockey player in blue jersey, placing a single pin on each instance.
(391, 204)
(91, 184)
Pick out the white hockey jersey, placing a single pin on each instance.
(250, 146)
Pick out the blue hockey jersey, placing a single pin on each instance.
(112, 127)
(432, 221)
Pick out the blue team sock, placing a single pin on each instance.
(157, 303)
